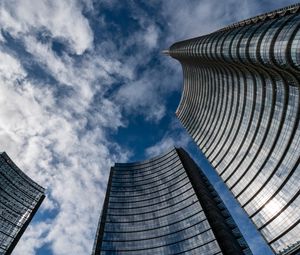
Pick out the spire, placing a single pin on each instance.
(165, 52)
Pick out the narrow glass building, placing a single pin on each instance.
(165, 206)
(20, 197)
(240, 104)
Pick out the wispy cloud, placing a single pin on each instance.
(53, 130)
(62, 20)
(174, 137)
(53, 146)
(194, 18)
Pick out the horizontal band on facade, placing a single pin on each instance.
(155, 247)
(157, 210)
(20, 173)
(134, 176)
(154, 218)
(133, 173)
(152, 198)
(149, 229)
(154, 192)
(5, 178)
(149, 205)
(137, 183)
(151, 238)
(152, 187)
(17, 198)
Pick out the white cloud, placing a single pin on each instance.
(52, 145)
(167, 142)
(141, 96)
(61, 140)
(62, 19)
(187, 19)
(147, 93)
(151, 36)
(1, 37)
(161, 147)
(175, 136)
(10, 68)
(34, 238)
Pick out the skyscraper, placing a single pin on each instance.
(240, 104)
(20, 197)
(165, 205)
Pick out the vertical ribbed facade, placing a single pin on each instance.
(154, 207)
(240, 104)
(20, 197)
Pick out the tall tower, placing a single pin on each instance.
(20, 197)
(240, 104)
(166, 206)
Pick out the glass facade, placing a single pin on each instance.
(152, 207)
(241, 105)
(20, 198)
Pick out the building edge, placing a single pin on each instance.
(19, 172)
(25, 225)
(101, 224)
(229, 245)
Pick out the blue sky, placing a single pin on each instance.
(83, 85)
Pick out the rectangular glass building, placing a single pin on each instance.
(166, 206)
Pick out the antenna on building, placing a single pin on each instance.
(165, 52)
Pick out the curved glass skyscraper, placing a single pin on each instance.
(20, 197)
(240, 103)
(166, 206)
